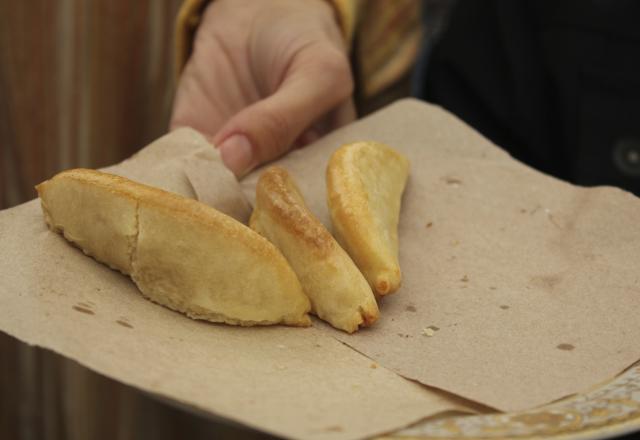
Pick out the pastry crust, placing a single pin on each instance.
(365, 181)
(180, 253)
(338, 292)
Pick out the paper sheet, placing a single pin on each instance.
(292, 382)
(185, 163)
(518, 289)
(530, 287)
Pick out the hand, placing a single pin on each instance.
(265, 76)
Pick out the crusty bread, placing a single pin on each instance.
(365, 181)
(338, 292)
(180, 253)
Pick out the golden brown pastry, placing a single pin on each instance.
(179, 252)
(338, 292)
(365, 181)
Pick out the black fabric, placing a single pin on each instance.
(556, 83)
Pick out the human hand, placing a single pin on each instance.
(264, 77)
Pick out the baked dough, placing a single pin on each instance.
(338, 292)
(180, 253)
(365, 181)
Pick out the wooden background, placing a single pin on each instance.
(82, 83)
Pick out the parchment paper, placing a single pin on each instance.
(518, 289)
(297, 383)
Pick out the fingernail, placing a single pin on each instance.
(237, 154)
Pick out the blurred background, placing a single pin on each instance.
(86, 83)
(83, 83)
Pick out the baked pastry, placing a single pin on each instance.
(180, 253)
(365, 181)
(338, 292)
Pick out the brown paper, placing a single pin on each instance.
(297, 383)
(186, 164)
(518, 289)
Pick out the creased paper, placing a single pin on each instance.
(518, 289)
(186, 164)
(292, 382)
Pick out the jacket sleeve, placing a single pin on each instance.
(387, 41)
(187, 22)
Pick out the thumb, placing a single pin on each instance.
(267, 129)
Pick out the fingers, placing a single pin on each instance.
(200, 102)
(307, 137)
(344, 114)
(318, 80)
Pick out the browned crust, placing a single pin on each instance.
(348, 203)
(193, 210)
(344, 190)
(279, 195)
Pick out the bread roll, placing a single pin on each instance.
(180, 253)
(365, 181)
(338, 292)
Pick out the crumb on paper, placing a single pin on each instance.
(429, 224)
(553, 220)
(465, 279)
(373, 366)
(453, 181)
(430, 331)
(81, 309)
(124, 323)
(410, 308)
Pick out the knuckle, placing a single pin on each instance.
(276, 134)
(335, 64)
